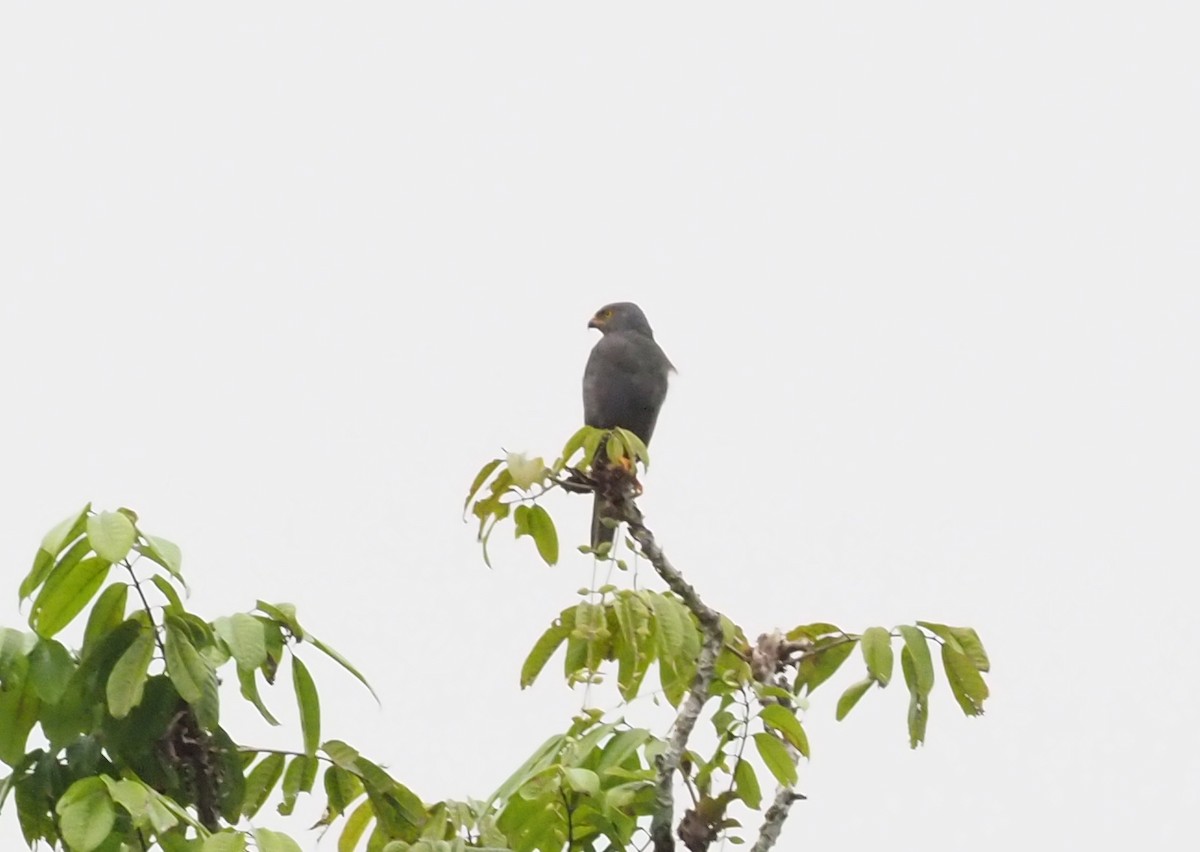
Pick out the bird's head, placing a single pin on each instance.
(621, 316)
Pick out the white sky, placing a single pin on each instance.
(282, 278)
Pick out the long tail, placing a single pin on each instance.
(600, 532)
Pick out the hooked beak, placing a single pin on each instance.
(595, 322)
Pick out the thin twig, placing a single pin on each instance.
(570, 825)
(284, 752)
(146, 606)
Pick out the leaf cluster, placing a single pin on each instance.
(116, 743)
(512, 485)
(588, 785)
(132, 751)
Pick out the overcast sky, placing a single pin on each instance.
(281, 279)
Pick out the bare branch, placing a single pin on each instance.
(689, 711)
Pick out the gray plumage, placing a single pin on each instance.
(624, 383)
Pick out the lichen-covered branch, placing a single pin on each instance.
(774, 818)
(689, 710)
(773, 655)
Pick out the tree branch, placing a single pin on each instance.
(162, 649)
(689, 711)
(777, 814)
(774, 818)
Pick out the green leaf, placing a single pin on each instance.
(581, 780)
(633, 658)
(533, 521)
(615, 447)
(66, 531)
(822, 661)
(520, 521)
(283, 613)
(620, 748)
(575, 660)
(53, 544)
(477, 483)
(208, 709)
(69, 559)
(877, 651)
(310, 706)
(356, 824)
(111, 535)
(174, 809)
(672, 644)
(83, 756)
(244, 635)
(918, 648)
(249, 689)
(32, 797)
(746, 784)
(299, 777)
(65, 593)
(775, 755)
(636, 446)
(622, 796)
(545, 647)
(128, 676)
(86, 814)
(229, 840)
(576, 442)
(50, 669)
(189, 671)
(943, 632)
(591, 446)
(165, 553)
(107, 613)
(341, 788)
(19, 706)
(545, 536)
(130, 795)
(969, 641)
(375, 780)
(542, 758)
(42, 563)
(230, 768)
(174, 605)
(691, 632)
(274, 841)
(785, 722)
(341, 661)
(670, 628)
(198, 630)
(918, 700)
(260, 782)
(14, 645)
(965, 681)
(341, 754)
(157, 814)
(813, 631)
(850, 697)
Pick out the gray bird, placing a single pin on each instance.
(624, 384)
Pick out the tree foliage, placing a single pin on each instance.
(118, 744)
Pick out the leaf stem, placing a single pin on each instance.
(162, 649)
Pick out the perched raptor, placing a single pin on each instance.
(624, 383)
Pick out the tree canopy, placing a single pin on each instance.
(117, 743)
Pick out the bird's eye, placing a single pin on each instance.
(605, 314)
